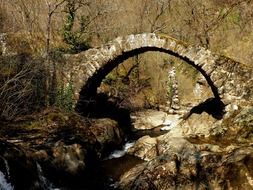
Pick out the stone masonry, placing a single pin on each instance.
(229, 80)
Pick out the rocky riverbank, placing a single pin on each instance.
(52, 149)
(200, 153)
(64, 145)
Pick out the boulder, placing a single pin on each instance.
(147, 119)
(199, 153)
(58, 146)
(198, 124)
(69, 158)
(189, 166)
(145, 148)
(150, 119)
(106, 131)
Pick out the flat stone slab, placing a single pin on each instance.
(150, 119)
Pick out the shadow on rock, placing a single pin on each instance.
(212, 106)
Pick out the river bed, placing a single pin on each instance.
(102, 175)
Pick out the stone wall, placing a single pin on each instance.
(230, 81)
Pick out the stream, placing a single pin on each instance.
(118, 161)
(4, 184)
(5, 177)
(102, 176)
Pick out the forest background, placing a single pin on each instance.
(35, 34)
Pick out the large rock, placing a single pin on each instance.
(145, 148)
(61, 145)
(70, 158)
(200, 153)
(239, 125)
(190, 166)
(150, 119)
(106, 131)
(148, 148)
(199, 124)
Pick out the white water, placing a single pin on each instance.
(171, 122)
(7, 168)
(44, 182)
(122, 152)
(4, 185)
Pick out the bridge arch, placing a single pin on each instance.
(90, 67)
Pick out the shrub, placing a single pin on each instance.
(21, 85)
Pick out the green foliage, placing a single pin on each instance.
(234, 17)
(64, 98)
(25, 86)
(39, 94)
(56, 55)
(110, 78)
(82, 22)
(169, 89)
(74, 39)
(135, 73)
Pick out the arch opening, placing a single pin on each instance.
(88, 94)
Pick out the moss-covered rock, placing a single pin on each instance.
(64, 144)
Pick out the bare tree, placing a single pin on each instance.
(157, 22)
(52, 7)
(151, 15)
(16, 86)
(201, 19)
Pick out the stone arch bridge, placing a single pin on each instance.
(230, 81)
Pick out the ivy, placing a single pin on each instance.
(74, 39)
(64, 99)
